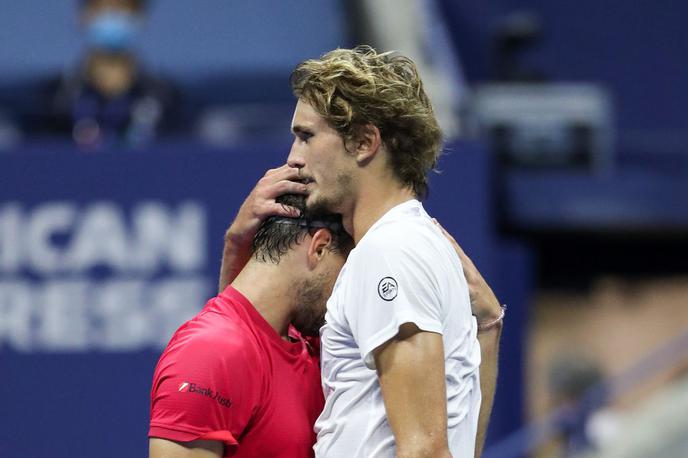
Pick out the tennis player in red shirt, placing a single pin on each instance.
(242, 377)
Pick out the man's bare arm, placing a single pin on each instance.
(489, 352)
(259, 205)
(411, 372)
(163, 448)
(486, 308)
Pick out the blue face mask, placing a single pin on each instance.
(112, 31)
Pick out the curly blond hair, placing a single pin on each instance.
(351, 88)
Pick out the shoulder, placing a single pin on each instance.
(412, 251)
(213, 341)
(412, 237)
(223, 359)
(219, 344)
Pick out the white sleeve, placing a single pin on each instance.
(394, 284)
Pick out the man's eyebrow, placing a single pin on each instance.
(297, 129)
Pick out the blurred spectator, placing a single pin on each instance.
(9, 132)
(575, 386)
(108, 99)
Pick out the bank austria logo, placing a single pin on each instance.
(186, 387)
(387, 288)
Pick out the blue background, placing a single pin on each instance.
(78, 404)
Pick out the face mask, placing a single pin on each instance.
(112, 31)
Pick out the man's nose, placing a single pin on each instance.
(295, 159)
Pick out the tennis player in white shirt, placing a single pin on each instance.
(400, 350)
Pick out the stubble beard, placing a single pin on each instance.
(334, 202)
(311, 297)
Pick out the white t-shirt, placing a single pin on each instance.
(402, 271)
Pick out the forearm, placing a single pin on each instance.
(424, 451)
(489, 354)
(235, 255)
(485, 307)
(163, 448)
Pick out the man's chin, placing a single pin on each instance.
(318, 205)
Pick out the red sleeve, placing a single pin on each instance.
(204, 387)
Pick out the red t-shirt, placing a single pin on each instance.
(227, 375)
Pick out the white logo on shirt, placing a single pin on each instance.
(387, 288)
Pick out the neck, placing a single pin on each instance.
(111, 74)
(269, 292)
(374, 198)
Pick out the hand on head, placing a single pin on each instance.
(261, 202)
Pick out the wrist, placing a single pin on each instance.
(486, 307)
(490, 314)
(234, 236)
(496, 320)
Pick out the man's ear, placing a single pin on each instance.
(320, 243)
(367, 143)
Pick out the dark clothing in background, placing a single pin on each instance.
(70, 106)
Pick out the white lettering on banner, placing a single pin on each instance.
(78, 315)
(61, 313)
(15, 315)
(150, 260)
(59, 237)
(10, 228)
(160, 236)
(35, 239)
(100, 239)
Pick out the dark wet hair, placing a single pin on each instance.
(278, 234)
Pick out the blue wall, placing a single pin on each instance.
(183, 39)
(92, 282)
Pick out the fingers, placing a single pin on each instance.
(465, 260)
(484, 303)
(261, 204)
(275, 183)
(288, 187)
(279, 181)
(456, 245)
(281, 210)
(284, 172)
(444, 231)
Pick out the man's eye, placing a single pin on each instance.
(304, 136)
